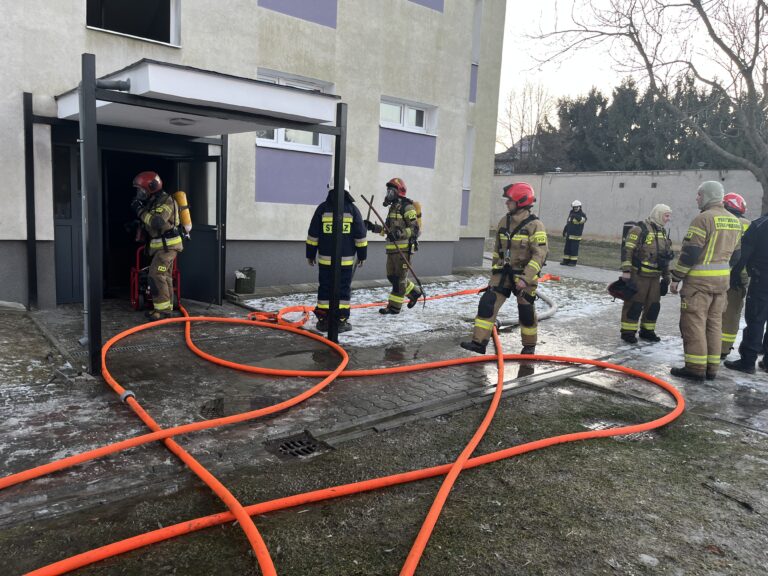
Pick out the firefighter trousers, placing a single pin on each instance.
(643, 309)
(571, 250)
(499, 289)
(701, 320)
(397, 274)
(325, 278)
(732, 317)
(754, 340)
(161, 279)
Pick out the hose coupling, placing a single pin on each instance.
(125, 395)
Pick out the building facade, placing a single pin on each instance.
(420, 79)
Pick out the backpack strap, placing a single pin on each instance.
(523, 224)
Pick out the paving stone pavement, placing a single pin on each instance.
(49, 410)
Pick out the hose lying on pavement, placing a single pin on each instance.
(243, 514)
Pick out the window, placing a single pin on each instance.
(406, 116)
(156, 20)
(288, 137)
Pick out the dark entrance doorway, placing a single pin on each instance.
(200, 262)
(182, 163)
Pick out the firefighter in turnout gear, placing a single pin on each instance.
(320, 250)
(572, 231)
(754, 256)
(519, 254)
(645, 259)
(704, 269)
(402, 241)
(736, 205)
(159, 215)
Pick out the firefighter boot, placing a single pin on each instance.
(413, 297)
(322, 324)
(388, 310)
(344, 325)
(629, 337)
(528, 350)
(685, 373)
(154, 315)
(472, 346)
(740, 366)
(649, 335)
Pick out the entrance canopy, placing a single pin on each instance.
(235, 99)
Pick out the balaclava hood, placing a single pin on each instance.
(657, 214)
(711, 192)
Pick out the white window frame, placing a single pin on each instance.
(174, 33)
(430, 116)
(325, 142)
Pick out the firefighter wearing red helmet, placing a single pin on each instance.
(402, 241)
(736, 205)
(520, 252)
(159, 215)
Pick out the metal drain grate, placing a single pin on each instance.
(300, 445)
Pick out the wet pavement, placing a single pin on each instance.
(49, 409)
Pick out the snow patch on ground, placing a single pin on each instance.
(371, 329)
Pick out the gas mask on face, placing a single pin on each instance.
(391, 196)
(141, 194)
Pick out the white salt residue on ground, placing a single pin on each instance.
(449, 315)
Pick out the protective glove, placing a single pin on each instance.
(736, 281)
(371, 226)
(311, 261)
(664, 286)
(137, 205)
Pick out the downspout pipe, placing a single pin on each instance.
(29, 171)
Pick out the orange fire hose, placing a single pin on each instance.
(242, 514)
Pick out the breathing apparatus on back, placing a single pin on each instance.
(184, 216)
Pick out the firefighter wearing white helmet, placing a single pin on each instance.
(319, 249)
(572, 231)
(519, 254)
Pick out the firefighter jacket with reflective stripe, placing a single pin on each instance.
(647, 251)
(353, 241)
(160, 218)
(575, 225)
(403, 224)
(526, 251)
(705, 255)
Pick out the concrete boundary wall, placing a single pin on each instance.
(611, 198)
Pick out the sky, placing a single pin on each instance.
(574, 77)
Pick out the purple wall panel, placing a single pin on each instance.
(290, 177)
(434, 4)
(473, 83)
(318, 11)
(464, 208)
(406, 148)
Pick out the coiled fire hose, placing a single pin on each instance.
(243, 514)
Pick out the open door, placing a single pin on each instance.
(201, 263)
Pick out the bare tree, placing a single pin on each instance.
(720, 43)
(525, 111)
